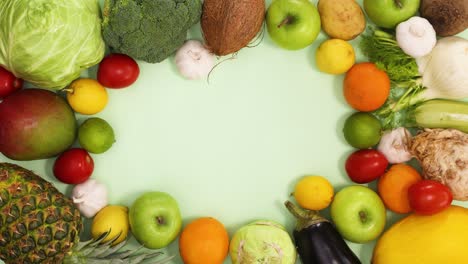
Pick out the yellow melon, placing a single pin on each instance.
(416, 239)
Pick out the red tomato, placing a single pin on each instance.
(428, 197)
(365, 165)
(117, 71)
(8, 83)
(73, 166)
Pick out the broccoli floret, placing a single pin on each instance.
(148, 30)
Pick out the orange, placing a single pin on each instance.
(393, 187)
(365, 87)
(204, 241)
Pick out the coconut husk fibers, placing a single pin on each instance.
(230, 25)
(443, 155)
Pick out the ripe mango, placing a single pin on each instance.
(35, 124)
(433, 239)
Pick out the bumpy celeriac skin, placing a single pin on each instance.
(443, 155)
(148, 30)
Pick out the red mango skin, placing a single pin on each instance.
(35, 124)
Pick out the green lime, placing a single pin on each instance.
(362, 130)
(96, 135)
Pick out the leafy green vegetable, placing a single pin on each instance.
(399, 108)
(49, 42)
(148, 30)
(382, 49)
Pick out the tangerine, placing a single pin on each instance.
(394, 184)
(366, 87)
(204, 241)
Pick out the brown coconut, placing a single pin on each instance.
(448, 17)
(230, 25)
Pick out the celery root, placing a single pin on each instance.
(443, 156)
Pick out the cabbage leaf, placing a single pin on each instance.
(50, 42)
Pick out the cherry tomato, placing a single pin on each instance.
(8, 83)
(365, 165)
(117, 71)
(73, 166)
(428, 197)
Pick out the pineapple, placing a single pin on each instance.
(38, 224)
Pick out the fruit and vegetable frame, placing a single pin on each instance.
(243, 132)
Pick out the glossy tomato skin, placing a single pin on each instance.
(8, 83)
(117, 71)
(365, 165)
(428, 197)
(74, 166)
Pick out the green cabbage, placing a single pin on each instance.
(262, 242)
(50, 42)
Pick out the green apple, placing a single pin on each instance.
(155, 219)
(389, 13)
(358, 213)
(293, 24)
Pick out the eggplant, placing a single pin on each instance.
(317, 240)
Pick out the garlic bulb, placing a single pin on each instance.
(394, 145)
(89, 197)
(194, 60)
(416, 36)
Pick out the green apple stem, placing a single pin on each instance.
(363, 216)
(285, 21)
(304, 217)
(398, 3)
(160, 220)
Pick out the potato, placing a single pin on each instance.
(342, 19)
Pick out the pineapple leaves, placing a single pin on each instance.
(95, 251)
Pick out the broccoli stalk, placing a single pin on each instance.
(148, 30)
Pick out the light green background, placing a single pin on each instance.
(231, 149)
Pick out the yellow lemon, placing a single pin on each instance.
(313, 192)
(335, 56)
(113, 219)
(87, 96)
